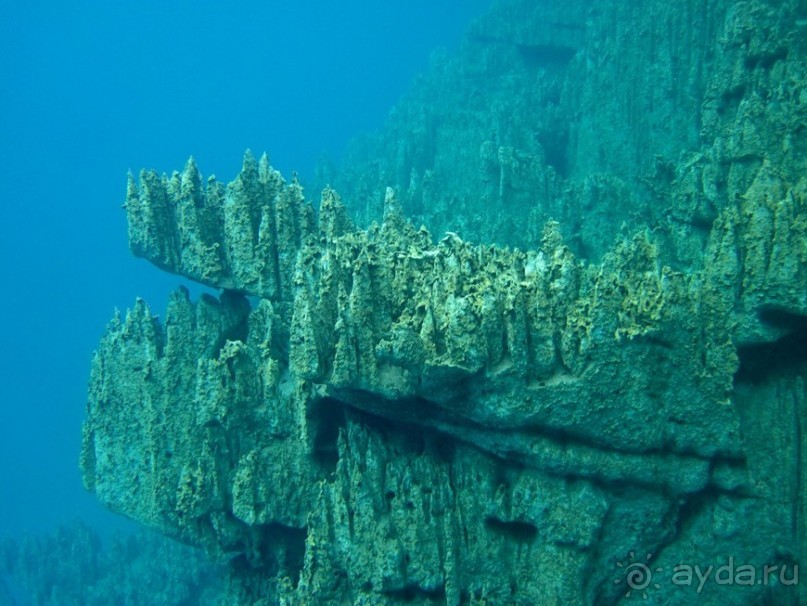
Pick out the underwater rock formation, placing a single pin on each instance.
(369, 416)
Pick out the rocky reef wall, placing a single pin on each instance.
(370, 415)
(661, 114)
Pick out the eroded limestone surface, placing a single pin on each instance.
(372, 415)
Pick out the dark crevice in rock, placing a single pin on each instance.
(783, 356)
(415, 593)
(692, 508)
(276, 549)
(544, 55)
(730, 98)
(436, 417)
(513, 530)
(328, 418)
(294, 555)
(409, 438)
(423, 430)
(782, 318)
(556, 149)
(765, 61)
(239, 306)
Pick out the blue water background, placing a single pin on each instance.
(91, 90)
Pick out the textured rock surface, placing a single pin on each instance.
(73, 567)
(609, 117)
(370, 416)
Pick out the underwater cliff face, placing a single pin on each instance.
(378, 415)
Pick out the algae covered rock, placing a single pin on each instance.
(370, 414)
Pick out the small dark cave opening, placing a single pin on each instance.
(783, 356)
(514, 530)
(237, 306)
(294, 553)
(555, 143)
(272, 550)
(327, 416)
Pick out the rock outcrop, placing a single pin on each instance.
(369, 416)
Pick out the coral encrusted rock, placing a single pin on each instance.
(370, 414)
